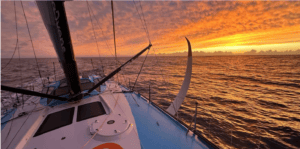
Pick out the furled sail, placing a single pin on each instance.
(174, 107)
(55, 20)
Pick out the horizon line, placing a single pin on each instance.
(170, 55)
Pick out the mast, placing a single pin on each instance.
(55, 20)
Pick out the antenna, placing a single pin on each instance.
(113, 21)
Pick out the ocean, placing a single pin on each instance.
(243, 101)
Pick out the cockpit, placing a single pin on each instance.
(61, 88)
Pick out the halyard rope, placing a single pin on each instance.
(95, 37)
(17, 37)
(37, 64)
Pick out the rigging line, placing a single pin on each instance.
(11, 56)
(9, 128)
(21, 74)
(117, 70)
(93, 64)
(37, 64)
(141, 20)
(12, 103)
(102, 33)
(18, 47)
(100, 28)
(23, 115)
(21, 126)
(140, 16)
(113, 21)
(162, 75)
(145, 21)
(140, 70)
(17, 37)
(109, 48)
(54, 71)
(95, 37)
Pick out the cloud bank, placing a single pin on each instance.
(221, 53)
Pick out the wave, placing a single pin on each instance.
(253, 79)
(270, 104)
(223, 86)
(227, 101)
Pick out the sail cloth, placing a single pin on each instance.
(174, 107)
(55, 20)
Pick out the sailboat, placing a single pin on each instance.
(93, 112)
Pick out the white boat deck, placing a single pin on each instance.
(157, 129)
(122, 132)
(18, 127)
(145, 126)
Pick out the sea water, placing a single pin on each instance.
(243, 101)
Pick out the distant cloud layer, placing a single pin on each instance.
(235, 27)
(220, 53)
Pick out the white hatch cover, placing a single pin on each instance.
(112, 128)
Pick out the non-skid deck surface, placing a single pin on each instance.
(157, 129)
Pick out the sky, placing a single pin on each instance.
(236, 27)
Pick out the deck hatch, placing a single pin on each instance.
(90, 110)
(56, 120)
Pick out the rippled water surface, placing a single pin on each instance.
(244, 101)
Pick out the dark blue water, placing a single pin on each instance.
(244, 101)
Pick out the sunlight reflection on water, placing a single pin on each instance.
(244, 101)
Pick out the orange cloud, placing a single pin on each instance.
(212, 25)
(262, 23)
